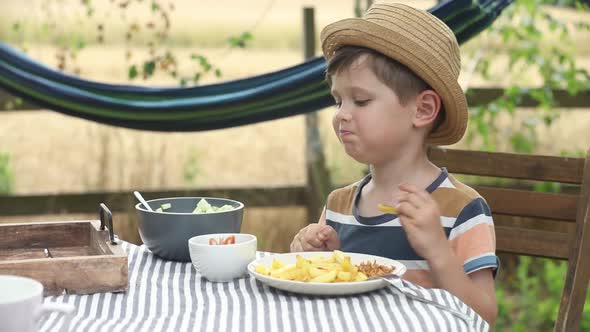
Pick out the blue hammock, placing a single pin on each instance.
(291, 91)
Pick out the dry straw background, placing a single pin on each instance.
(54, 153)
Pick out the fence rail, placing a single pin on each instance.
(117, 201)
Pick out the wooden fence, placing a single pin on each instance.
(118, 201)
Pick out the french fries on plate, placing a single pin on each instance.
(318, 268)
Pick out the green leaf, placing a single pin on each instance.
(6, 174)
(79, 44)
(155, 7)
(132, 73)
(520, 143)
(241, 40)
(149, 68)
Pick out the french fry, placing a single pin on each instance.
(301, 262)
(276, 264)
(326, 277)
(277, 273)
(387, 208)
(290, 274)
(360, 277)
(343, 276)
(317, 258)
(346, 265)
(303, 274)
(262, 270)
(339, 256)
(316, 272)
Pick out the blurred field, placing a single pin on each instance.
(53, 153)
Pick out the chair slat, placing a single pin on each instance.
(509, 165)
(530, 204)
(532, 242)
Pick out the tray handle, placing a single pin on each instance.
(105, 213)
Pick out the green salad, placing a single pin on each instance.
(202, 207)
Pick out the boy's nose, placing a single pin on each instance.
(343, 114)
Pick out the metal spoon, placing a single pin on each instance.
(393, 280)
(140, 198)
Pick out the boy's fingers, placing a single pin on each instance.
(312, 238)
(326, 231)
(424, 195)
(406, 209)
(316, 237)
(332, 241)
(296, 245)
(412, 199)
(408, 187)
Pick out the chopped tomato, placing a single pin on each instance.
(229, 240)
(223, 240)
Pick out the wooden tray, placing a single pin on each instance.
(74, 257)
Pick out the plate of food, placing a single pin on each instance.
(325, 272)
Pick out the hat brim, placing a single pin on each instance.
(400, 46)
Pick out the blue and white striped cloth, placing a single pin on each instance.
(172, 296)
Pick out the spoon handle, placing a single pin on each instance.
(452, 311)
(140, 198)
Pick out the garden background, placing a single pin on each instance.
(539, 45)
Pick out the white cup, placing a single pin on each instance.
(21, 305)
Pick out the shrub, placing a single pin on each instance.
(529, 295)
(6, 175)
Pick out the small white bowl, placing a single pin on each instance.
(224, 262)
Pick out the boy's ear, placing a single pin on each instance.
(428, 105)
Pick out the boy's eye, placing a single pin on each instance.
(338, 103)
(361, 102)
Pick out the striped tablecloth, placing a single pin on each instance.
(171, 296)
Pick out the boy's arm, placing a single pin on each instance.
(420, 218)
(477, 289)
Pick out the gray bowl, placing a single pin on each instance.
(166, 233)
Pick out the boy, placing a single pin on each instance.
(393, 75)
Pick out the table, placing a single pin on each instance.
(172, 296)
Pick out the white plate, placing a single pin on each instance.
(318, 288)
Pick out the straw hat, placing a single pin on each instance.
(418, 40)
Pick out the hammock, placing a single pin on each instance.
(291, 91)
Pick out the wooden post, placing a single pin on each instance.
(318, 178)
(359, 11)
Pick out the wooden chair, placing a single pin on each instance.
(553, 225)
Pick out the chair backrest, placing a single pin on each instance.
(553, 225)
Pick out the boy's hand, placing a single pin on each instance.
(420, 218)
(316, 237)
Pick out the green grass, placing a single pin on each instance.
(32, 32)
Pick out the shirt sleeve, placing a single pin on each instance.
(473, 238)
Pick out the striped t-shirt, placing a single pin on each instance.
(465, 217)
